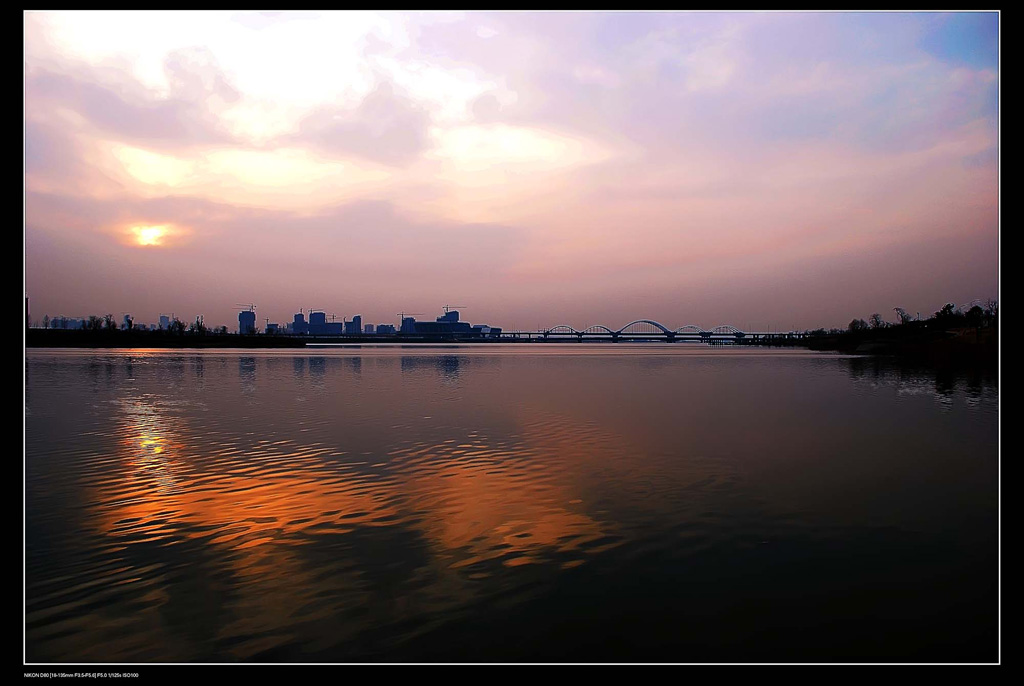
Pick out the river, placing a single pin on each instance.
(568, 503)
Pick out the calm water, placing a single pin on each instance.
(563, 502)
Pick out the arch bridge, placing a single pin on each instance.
(648, 329)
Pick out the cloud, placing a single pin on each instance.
(130, 113)
(387, 128)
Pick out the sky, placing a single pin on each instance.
(764, 170)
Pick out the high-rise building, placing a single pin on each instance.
(299, 325)
(246, 321)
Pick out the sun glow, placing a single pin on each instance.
(153, 235)
(150, 235)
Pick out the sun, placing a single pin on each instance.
(166, 235)
(150, 235)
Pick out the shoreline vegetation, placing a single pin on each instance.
(950, 336)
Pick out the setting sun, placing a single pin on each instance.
(149, 235)
(153, 235)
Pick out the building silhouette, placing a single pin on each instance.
(247, 321)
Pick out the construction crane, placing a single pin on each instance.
(251, 306)
(453, 307)
(403, 315)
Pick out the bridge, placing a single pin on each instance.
(650, 330)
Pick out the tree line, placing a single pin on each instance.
(107, 323)
(949, 316)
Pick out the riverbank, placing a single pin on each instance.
(78, 338)
(968, 346)
(953, 347)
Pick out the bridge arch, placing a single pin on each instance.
(690, 328)
(726, 328)
(650, 322)
(598, 328)
(562, 328)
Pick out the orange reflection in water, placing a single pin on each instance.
(475, 500)
(485, 510)
(513, 501)
(257, 506)
(232, 497)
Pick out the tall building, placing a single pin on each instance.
(299, 325)
(246, 321)
(319, 326)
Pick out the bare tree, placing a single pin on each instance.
(197, 326)
(905, 317)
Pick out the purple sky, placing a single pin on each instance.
(790, 170)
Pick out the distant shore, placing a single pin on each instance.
(969, 346)
(77, 338)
